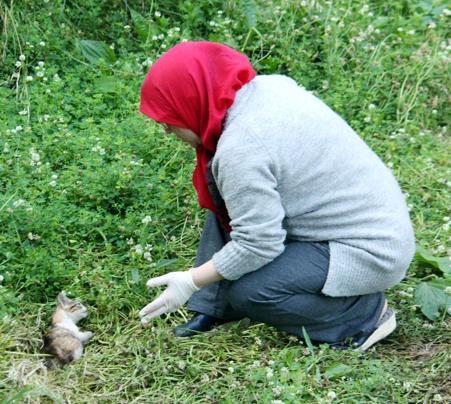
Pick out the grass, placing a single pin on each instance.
(81, 169)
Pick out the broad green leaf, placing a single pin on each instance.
(107, 84)
(136, 277)
(166, 262)
(249, 9)
(95, 50)
(433, 297)
(441, 263)
(142, 26)
(337, 370)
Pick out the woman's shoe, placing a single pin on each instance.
(198, 324)
(384, 327)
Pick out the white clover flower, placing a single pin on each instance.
(148, 256)
(54, 177)
(130, 241)
(160, 36)
(147, 62)
(154, 38)
(52, 183)
(41, 63)
(32, 236)
(332, 395)
(18, 128)
(269, 373)
(35, 158)
(146, 220)
(19, 203)
(6, 148)
(29, 78)
(23, 112)
(99, 149)
(138, 249)
(127, 27)
(56, 77)
(18, 63)
(231, 369)
(42, 43)
(22, 58)
(40, 74)
(163, 46)
(157, 14)
(277, 391)
(371, 106)
(367, 119)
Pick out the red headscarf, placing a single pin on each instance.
(191, 86)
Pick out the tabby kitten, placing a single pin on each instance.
(64, 339)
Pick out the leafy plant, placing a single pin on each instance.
(93, 51)
(434, 296)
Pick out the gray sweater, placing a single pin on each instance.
(289, 168)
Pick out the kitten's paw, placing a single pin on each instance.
(88, 335)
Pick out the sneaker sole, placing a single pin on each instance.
(381, 332)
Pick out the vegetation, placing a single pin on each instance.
(95, 200)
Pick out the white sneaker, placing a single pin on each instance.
(384, 327)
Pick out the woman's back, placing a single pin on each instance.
(332, 186)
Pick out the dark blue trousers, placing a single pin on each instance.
(286, 293)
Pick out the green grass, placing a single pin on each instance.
(80, 169)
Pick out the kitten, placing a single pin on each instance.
(65, 340)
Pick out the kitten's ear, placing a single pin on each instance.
(62, 299)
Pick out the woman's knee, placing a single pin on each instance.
(251, 299)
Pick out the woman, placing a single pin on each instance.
(307, 226)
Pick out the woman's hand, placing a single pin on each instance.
(180, 287)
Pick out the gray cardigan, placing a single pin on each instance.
(288, 167)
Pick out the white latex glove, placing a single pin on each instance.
(180, 288)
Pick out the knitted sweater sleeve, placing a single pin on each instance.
(245, 176)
